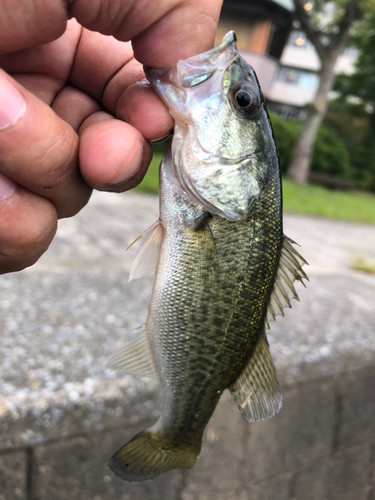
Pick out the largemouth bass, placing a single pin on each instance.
(223, 264)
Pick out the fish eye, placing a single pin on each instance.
(245, 100)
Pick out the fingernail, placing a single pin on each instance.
(164, 134)
(162, 139)
(7, 187)
(115, 185)
(12, 104)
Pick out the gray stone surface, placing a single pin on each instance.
(76, 469)
(60, 333)
(62, 318)
(349, 474)
(312, 481)
(13, 475)
(357, 407)
(220, 470)
(295, 435)
(274, 488)
(342, 476)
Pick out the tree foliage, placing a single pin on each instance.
(330, 155)
(361, 85)
(327, 25)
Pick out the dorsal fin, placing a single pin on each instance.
(148, 256)
(290, 270)
(256, 391)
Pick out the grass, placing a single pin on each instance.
(355, 206)
(365, 265)
(150, 182)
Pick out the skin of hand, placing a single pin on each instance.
(75, 110)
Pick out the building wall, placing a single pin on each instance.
(266, 69)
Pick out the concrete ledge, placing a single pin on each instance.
(62, 415)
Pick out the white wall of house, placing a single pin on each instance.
(297, 57)
(297, 78)
(290, 94)
(265, 67)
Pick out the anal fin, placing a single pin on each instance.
(256, 391)
(135, 358)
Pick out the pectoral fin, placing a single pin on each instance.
(135, 358)
(256, 391)
(148, 256)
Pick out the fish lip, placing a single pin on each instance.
(228, 40)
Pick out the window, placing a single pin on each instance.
(298, 77)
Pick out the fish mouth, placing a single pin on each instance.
(197, 69)
(229, 39)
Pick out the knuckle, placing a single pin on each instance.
(58, 160)
(28, 240)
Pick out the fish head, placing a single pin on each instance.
(223, 148)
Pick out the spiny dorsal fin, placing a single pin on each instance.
(148, 256)
(256, 390)
(135, 358)
(290, 270)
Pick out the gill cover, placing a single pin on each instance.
(223, 143)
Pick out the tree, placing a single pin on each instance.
(327, 24)
(361, 84)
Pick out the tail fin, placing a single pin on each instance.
(149, 454)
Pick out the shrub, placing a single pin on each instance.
(330, 154)
(286, 133)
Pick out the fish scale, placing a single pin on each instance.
(223, 269)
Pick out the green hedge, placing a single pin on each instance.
(330, 154)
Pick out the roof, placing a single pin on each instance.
(281, 9)
(287, 4)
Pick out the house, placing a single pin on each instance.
(285, 61)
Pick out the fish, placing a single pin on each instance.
(223, 267)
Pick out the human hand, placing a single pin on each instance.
(75, 111)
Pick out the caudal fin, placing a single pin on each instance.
(149, 454)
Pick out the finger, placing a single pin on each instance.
(113, 155)
(183, 31)
(74, 106)
(24, 23)
(39, 150)
(105, 69)
(161, 32)
(27, 225)
(140, 107)
(52, 59)
(97, 59)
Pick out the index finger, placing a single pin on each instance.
(161, 32)
(182, 32)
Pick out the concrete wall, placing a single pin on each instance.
(321, 446)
